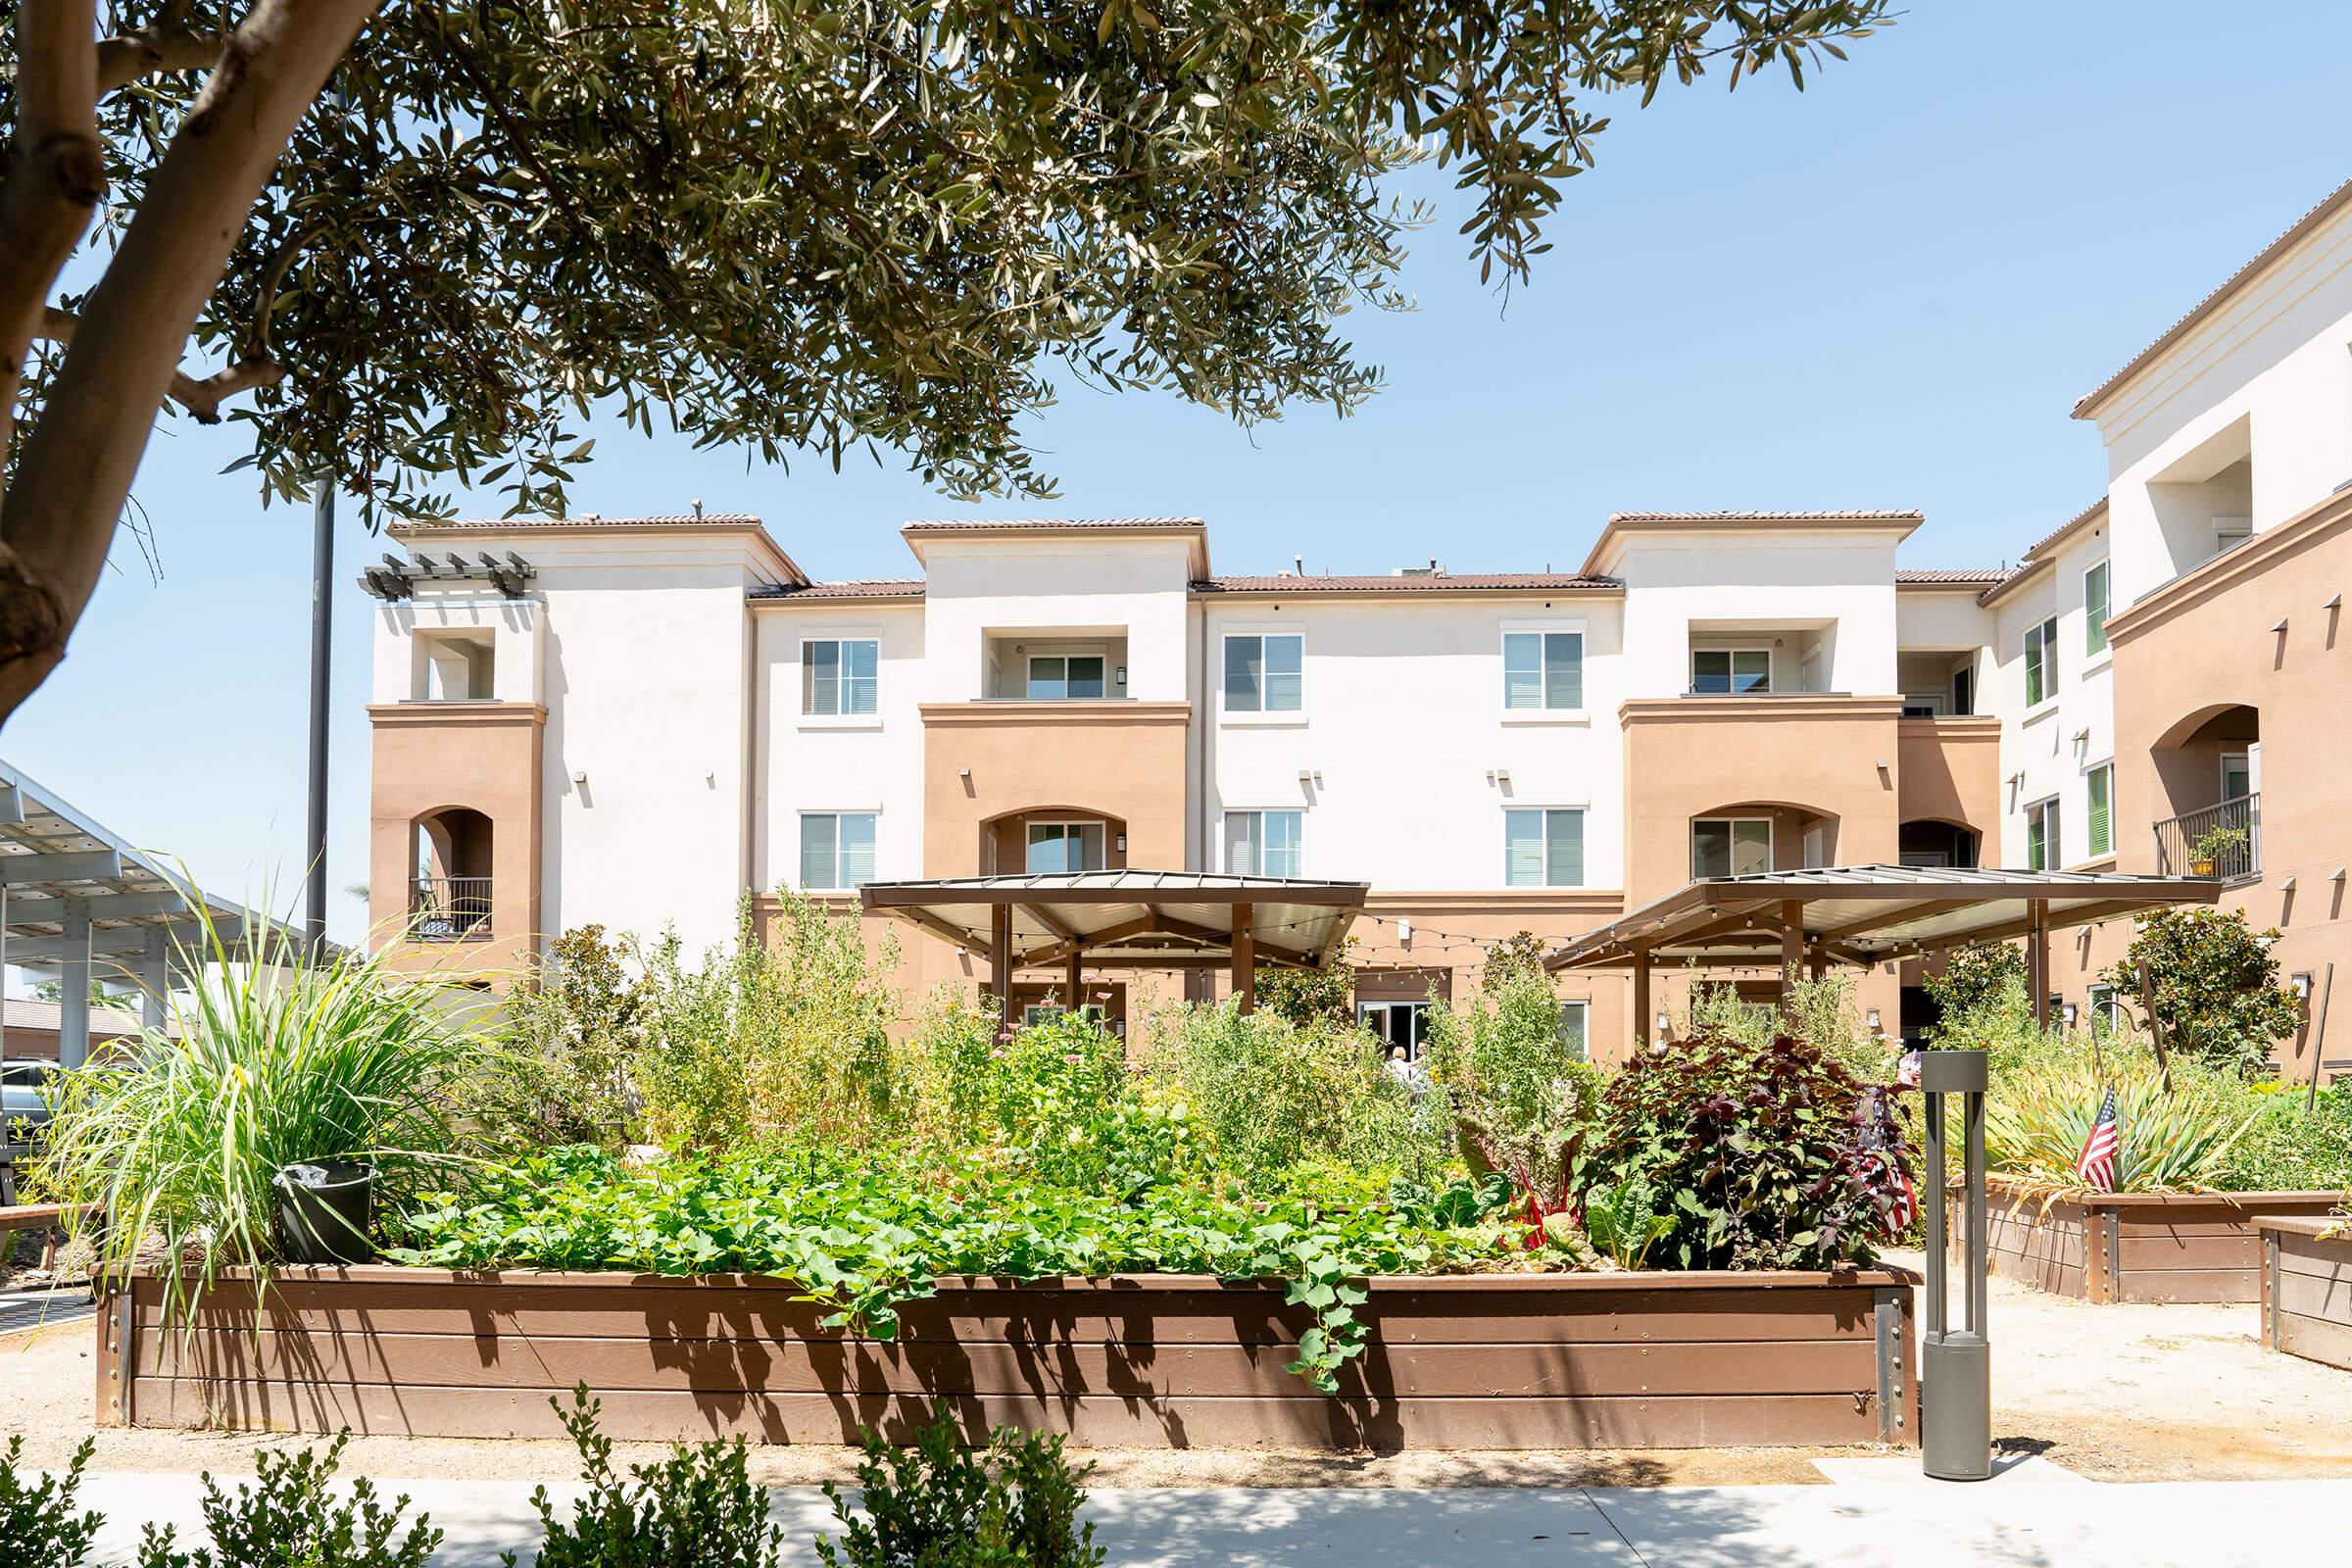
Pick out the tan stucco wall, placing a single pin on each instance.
(1120, 759)
(1949, 770)
(432, 756)
(2209, 641)
(1817, 755)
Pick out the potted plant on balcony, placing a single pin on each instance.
(2212, 845)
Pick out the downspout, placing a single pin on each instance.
(1197, 758)
(751, 756)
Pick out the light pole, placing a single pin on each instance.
(322, 622)
(1955, 1366)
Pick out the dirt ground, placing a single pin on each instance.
(2114, 1392)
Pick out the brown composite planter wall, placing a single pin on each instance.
(1486, 1361)
(2307, 1290)
(2136, 1247)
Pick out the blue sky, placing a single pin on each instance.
(1886, 291)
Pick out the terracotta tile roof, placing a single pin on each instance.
(2037, 554)
(2328, 206)
(986, 524)
(1413, 583)
(1866, 515)
(890, 588)
(1937, 574)
(586, 519)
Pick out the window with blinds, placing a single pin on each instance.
(2094, 610)
(1543, 670)
(2041, 662)
(1543, 848)
(2100, 782)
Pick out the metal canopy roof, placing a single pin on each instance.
(62, 873)
(1129, 918)
(1864, 914)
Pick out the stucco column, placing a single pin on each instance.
(73, 986)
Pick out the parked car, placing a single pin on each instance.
(23, 1098)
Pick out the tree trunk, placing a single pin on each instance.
(77, 463)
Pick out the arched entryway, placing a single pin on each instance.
(450, 889)
(1747, 837)
(1050, 839)
(1933, 842)
(2207, 772)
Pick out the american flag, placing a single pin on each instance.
(2096, 1166)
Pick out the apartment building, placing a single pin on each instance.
(639, 721)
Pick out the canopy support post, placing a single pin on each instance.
(1245, 957)
(1792, 955)
(155, 978)
(1069, 994)
(999, 960)
(2037, 958)
(73, 986)
(1641, 998)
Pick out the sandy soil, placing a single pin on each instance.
(2117, 1393)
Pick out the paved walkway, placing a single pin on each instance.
(1874, 1512)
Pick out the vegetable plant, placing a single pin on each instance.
(1624, 1222)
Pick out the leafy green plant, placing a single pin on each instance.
(560, 1074)
(1309, 996)
(2292, 1147)
(696, 1506)
(38, 1527)
(1757, 1153)
(2181, 1139)
(1501, 1058)
(289, 1516)
(1624, 1222)
(2216, 842)
(280, 1056)
(2214, 985)
(1974, 978)
(936, 1504)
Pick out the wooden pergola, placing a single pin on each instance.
(1804, 921)
(1129, 919)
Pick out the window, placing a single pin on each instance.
(1065, 675)
(1263, 843)
(2100, 782)
(2106, 1010)
(2237, 775)
(2041, 662)
(1261, 673)
(2042, 851)
(456, 666)
(2094, 610)
(1396, 1024)
(1730, 845)
(1729, 671)
(837, 849)
(1065, 847)
(839, 675)
(1572, 1029)
(1543, 670)
(1543, 848)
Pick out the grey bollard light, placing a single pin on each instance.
(1955, 1366)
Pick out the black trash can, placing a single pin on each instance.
(324, 1211)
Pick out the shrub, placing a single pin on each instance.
(38, 1527)
(290, 1517)
(698, 1505)
(2214, 985)
(1502, 1058)
(2292, 1149)
(1757, 1153)
(936, 1505)
(561, 1074)
(791, 1035)
(2039, 1113)
(280, 1057)
(1269, 1093)
(1309, 996)
(1977, 977)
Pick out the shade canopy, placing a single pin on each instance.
(1129, 918)
(1864, 914)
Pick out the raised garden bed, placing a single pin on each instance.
(2137, 1247)
(2307, 1289)
(1476, 1361)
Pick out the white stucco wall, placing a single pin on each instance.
(2056, 744)
(804, 762)
(977, 588)
(2269, 372)
(1404, 721)
(1838, 587)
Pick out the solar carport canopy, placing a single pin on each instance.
(1142, 919)
(1864, 914)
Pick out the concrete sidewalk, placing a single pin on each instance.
(1873, 1512)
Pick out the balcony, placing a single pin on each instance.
(2223, 841)
(449, 909)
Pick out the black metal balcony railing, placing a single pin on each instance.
(2227, 835)
(449, 909)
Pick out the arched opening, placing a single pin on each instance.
(1053, 838)
(1933, 842)
(2207, 771)
(449, 895)
(1747, 836)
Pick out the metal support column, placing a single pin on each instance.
(1244, 957)
(155, 978)
(1955, 1364)
(1000, 960)
(2037, 958)
(74, 985)
(1641, 998)
(1793, 955)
